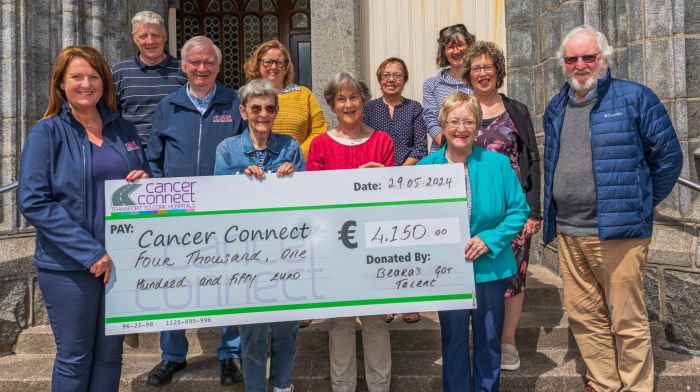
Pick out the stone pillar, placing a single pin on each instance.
(655, 44)
(335, 44)
(32, 33)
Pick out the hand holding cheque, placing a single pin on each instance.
(208, 251)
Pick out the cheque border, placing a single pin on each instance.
(169, 214)
(258, 309)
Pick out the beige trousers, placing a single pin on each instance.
(377, 353)
(604, 299)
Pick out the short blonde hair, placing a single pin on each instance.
(457, 99)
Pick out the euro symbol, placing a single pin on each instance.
(347, 234)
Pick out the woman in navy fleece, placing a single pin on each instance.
(79, 143)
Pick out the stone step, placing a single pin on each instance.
(536, 331)
(544, 371)
(543, 290)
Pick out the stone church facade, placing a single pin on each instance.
(657, 42)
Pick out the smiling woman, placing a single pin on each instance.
(507, 128)
(254, 152)
(81, 140)
(353, 145)
(453, 42)
(497, 212)
(299, 114)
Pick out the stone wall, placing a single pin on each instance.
(657, 43)
(335, 42)
(32, 33)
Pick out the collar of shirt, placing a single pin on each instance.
(446, 77)
(290, 87)
(249, 147)
(589, 96)
(163, 63)
(201, 104)
(403, 101)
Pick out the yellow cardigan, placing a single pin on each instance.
(299, 116)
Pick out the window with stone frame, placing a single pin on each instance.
(239, 26)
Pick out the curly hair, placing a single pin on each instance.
(252, 65)
(491, 50)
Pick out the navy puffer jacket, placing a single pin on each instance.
(636, 157)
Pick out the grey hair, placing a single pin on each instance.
(345, 79)
(606, 51)
(147, 18)
(198, 44)
(257, 88)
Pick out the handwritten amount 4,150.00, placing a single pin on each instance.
(414, 232)
(418, 182)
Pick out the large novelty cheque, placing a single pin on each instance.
(197, 252)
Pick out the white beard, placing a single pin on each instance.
(596, 75)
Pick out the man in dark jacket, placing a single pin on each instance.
(188, 125)
(611, 156)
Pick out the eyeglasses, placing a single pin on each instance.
(395, 76)
(587, 58)
(456, 47)
(457, 123)
(256, 109)
(488, 68)
(270, 63)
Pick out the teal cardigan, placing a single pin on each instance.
(499, 210)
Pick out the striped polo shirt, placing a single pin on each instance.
(141, 87)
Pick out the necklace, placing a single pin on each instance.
(450, 160)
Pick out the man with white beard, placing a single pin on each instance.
(611, 155)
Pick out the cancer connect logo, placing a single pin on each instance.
(121, 197)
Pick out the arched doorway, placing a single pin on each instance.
(238, 26)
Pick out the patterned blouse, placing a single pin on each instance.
(500, 135)
(406, 127)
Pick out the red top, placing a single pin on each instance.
(326, 153)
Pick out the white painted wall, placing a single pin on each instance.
(408, 29)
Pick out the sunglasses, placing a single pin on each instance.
(587, 58)
(256, 109)
(455, 26)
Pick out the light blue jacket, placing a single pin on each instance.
(499, 210)
(236, 153)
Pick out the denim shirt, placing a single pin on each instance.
(236, 153)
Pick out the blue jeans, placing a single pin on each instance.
(282, 353)
(174, 344)
(487, 326)
(86, 359)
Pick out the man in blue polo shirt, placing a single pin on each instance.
(147, 77)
